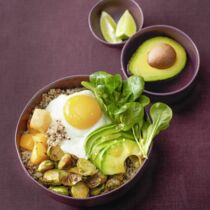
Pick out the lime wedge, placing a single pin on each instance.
(126, 26)
(108, 28)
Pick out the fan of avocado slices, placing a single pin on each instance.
(131, 131)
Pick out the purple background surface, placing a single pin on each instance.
(43, 40)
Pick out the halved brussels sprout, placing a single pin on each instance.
(46, 165)
(59, 189)
(71, 179)
(67, 161)
(54, 176)
(55, 153)
(74, 170)
(119, 177)
(95, 180)
(113, 183)
(98, 190)
(136, 161)
(80, 190)
(86, 168)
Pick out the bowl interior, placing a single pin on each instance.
(181, 80)
(115, 8)
(69, 83)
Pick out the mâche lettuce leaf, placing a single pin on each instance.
(161, 115)
(122, 101)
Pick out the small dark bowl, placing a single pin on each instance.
(174, 89)
(115, 8)
(65, 83)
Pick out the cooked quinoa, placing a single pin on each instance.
(57, 134)
(53, 93)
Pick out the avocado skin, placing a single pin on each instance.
(138, 64)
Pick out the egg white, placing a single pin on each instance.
(77, 136)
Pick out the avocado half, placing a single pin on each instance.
(138, 64)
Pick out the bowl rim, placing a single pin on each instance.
(173, 28)
(17, 148)
(102, 40)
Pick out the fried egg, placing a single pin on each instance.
(80, 114)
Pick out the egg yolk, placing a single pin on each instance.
(82, 111)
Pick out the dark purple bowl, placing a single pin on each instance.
(115, 8)
(65, 83)
(174, 89)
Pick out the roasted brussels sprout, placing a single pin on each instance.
(113, 183)
(74, 170)
(67, 161)
(95, 180)
(136, 161)
(71, 179)
(55, 153)
(119, 177)
(86, 168)
(59, 189)
(98, 190)
(54, 176)
(80, 190)
(45, 166)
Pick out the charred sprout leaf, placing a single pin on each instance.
(80, 190)
(98, 190)
(71, 179)
(54, 176)
(161, 116)
(67, 161)
(135, 161)
(74, 170)
(96, 180)
(119, 177)
(59, 189)
(86, 168)
(45, 166)
(113, 183)
(55, 153)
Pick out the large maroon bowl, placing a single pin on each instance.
(174, 89)
(65, 83)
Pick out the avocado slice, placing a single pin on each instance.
(100, 143)
(112, 158)
(138, 64)
(103, 134)
(98, 133)
(99, 157)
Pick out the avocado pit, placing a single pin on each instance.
(162, 56)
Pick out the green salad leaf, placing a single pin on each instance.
(122, 101)
(161, 115)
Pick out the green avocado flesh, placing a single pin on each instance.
(138, 64)
(108, 148)
(114, 156)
